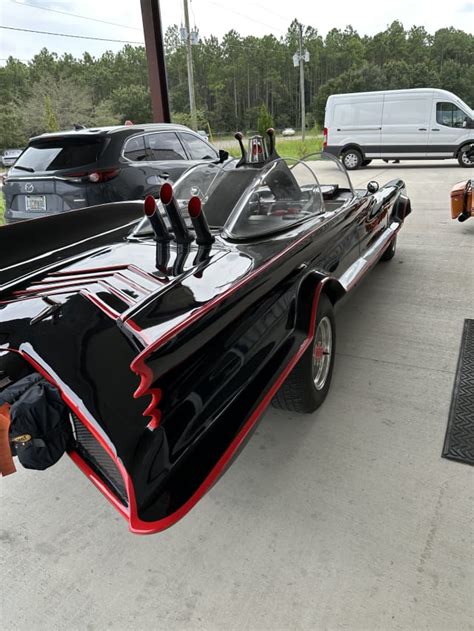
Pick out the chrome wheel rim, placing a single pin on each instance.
(322, 353)
(466, 160)
(350, 160)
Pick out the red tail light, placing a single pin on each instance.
(325, 143)
(103, 175)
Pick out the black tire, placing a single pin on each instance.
(352, 159)
(299, 392)
(365, 163)
(390, 251)
(464, 160)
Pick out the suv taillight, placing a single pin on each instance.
(325, 142)
(103, 175)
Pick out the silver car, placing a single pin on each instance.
(10, 156)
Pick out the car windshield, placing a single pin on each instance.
(218, 186)
(247, 202)
(54, 154)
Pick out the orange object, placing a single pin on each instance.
(7, 466)
(462, 199)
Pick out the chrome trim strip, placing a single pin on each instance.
(359, 268)
(22, 178)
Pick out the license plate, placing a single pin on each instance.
(35, 202)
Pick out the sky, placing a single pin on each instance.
(121, 20)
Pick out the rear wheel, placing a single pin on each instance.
(352, 159)
(308, 384)
(464, 159)
(390, 251)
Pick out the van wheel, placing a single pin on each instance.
(352, 159)
(307, 385)
(365, 163)
(463, 158)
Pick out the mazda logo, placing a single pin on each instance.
(29, 188)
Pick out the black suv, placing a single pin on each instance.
(69, 170)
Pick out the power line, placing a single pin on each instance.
(99, 39)
(75, 15)
(242, 15)
(275, 15)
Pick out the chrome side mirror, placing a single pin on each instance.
(373, 187)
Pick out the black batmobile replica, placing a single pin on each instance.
(146, 339)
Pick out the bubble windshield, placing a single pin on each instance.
(244, 202)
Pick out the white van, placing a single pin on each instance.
(423, 123)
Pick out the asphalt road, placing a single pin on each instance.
(346, 519)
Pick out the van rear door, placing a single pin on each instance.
(357, 120)
(405, 124)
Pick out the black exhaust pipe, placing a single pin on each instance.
(203, 234)
(243, 159)
(178, 224)
(156, 220)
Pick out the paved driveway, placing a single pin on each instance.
(347, 519)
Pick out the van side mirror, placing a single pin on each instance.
(468, 123)
(373, 187)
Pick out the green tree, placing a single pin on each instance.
(11, 126)
(50, 120)
(132, 102)
(265, 120)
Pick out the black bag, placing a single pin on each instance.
(40, 430)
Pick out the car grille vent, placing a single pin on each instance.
(98, 459)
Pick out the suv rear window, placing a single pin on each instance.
(61, 153)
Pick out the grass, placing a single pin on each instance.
(2, 207)
(297, 148)
(286, 147)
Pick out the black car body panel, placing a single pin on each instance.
(168, 355)
(70, 170)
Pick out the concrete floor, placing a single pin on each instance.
(347, 519)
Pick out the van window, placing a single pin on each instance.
(449, 115)
(165, 146)
(358, 113)
(405, 112)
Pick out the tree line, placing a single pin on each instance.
(234, 77)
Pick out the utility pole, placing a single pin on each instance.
(303, 111)
(298, 60)
(192, 101)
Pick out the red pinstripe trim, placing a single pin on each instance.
(139, 526)
(100, 304)
(134, 284)
(117, 292)
(90, 270)
(97, 482)
(138, 364)
(45, 288)
(147, 275)
(124, 511)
